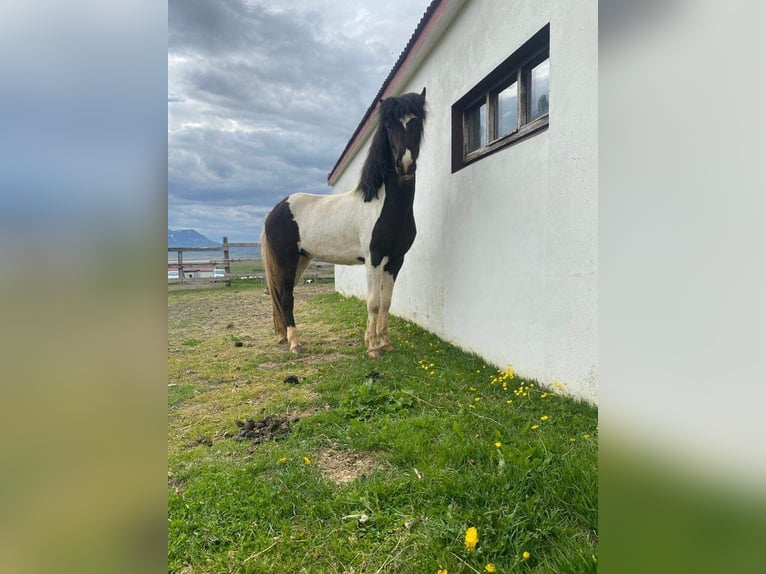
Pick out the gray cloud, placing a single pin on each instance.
(262, 98)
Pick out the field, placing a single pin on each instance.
(333, 462)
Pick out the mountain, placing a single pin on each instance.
(188, 238)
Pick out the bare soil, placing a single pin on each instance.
(344, 466)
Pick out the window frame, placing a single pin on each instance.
(516, 68)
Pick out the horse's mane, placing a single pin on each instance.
(379, 162)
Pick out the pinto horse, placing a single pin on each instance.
(372, 225)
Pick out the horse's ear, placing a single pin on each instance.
(423, 93)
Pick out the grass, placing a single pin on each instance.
(390, 462)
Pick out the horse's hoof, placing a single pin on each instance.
(297, 350)
(373, 353)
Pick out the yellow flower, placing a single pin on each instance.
(490, 568)
(306, 460)
(440, 571)
(477, 399)
(535, 427)
(282, 460)
(509, 372)
(586, 436)
(471, 388)
(471, 538)
(498, 444)
(544, 418)
(508, 402)
(525, 555)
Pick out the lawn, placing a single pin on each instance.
(333, 462)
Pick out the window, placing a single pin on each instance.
(510, 104)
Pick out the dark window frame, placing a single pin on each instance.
(515, 68)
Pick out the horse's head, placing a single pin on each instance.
(402, 118)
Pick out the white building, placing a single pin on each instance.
(505, 261)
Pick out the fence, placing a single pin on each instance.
(197, 272)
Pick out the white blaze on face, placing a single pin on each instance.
(406, 160)
(406, 119)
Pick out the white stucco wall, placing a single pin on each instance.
(505, 261)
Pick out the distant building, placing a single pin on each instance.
(506, 203)
(197, 271)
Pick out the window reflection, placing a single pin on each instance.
(539, 90)
(476, 120)
(507, 110)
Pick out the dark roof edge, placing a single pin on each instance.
(391, 75)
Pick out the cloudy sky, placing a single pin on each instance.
(264, 95)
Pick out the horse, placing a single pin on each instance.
(372, 225)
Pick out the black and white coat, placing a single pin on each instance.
(373, 225)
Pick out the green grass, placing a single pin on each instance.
(426, 423)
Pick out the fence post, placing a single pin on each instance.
(226, 264)
(181, 265)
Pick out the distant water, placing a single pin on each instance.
(217, 256)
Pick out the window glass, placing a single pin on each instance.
(538, 90)
(476, 127)
(507, 110)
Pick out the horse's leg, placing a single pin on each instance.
(303, 263)
(287, 301)
(279, 325)
(374, 277)
(386, 291)
(390, 271)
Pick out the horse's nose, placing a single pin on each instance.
(407, 162)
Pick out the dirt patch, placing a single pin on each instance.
(344, 466)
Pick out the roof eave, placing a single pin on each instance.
(432, 25)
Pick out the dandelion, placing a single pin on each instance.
(306, 460)
(471, 538)
(472, 388)
(509, 373)
(586, 436)
(544, 418)
(508, 402)
(441, 571)
(498, 444)
(535, 427)
(477, 399)
(490, 567)
(282, 460)
(525, 555)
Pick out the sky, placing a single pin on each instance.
(263, 97)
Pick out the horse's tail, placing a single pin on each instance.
(274, 283)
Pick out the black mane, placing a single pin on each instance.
(379, 162)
